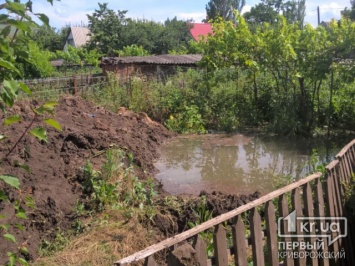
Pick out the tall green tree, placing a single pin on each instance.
(111, 31)
(176, 36)
(144, 33)
(295, 11)
(349, 12)
(223, 8)
(268, 10)
(107, 29)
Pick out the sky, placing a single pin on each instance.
(73, 12)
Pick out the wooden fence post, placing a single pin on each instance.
(150, 261)
(239, 245)
(319, 212)
(331, 213)
(297, 206)
(283, 212)
(256, 237)
(74, 85)
(200, 248)
(309, 212)
(220, 246)
(271, 233)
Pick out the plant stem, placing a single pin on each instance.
(19, 140)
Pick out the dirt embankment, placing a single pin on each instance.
(55, 165)
(87, 130)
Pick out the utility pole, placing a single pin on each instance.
(318, 15)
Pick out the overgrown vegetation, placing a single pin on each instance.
(294, 80)
(193, 101)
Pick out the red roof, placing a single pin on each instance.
(200, 29)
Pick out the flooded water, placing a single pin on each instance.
(236, 163)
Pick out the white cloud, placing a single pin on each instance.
(195, 16)
(64, 12)
(245, 9)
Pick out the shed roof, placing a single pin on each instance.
(80, 35)
(200, 29)
(154, 60)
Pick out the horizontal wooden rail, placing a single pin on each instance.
(213, 222)
(345, 149)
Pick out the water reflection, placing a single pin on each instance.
(235, 163)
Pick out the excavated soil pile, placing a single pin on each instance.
(54, 164)
(172, 220)
(54, 180)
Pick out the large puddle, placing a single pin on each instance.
(236, 163)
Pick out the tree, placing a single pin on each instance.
(133, 50)
(145, 34)
(107, 29)
(112, 32)
(49, 38)
(223, 8)
(349, 12)
(261, 13)
(176, 36)
(268, 11)
(289, 65)
(295, 12)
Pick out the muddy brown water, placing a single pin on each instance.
(238, 164)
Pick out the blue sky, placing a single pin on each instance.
(74, 11)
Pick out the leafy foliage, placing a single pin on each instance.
(14, 48)
(269, 10)
(283, 63)
(223, 9)
(133, 50)
(38, 64)
(188, 120)
(116, 185)
(107, 29)
(292, 80)
(78, 56)
(111, 31)
(48, 38)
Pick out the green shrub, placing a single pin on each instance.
(187, 121)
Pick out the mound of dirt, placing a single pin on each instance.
(173, 220)
(52, 183)
(54, 180)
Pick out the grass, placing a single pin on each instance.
(110, 237)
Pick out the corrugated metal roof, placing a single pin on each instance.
(80, 35)
(154, 60)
